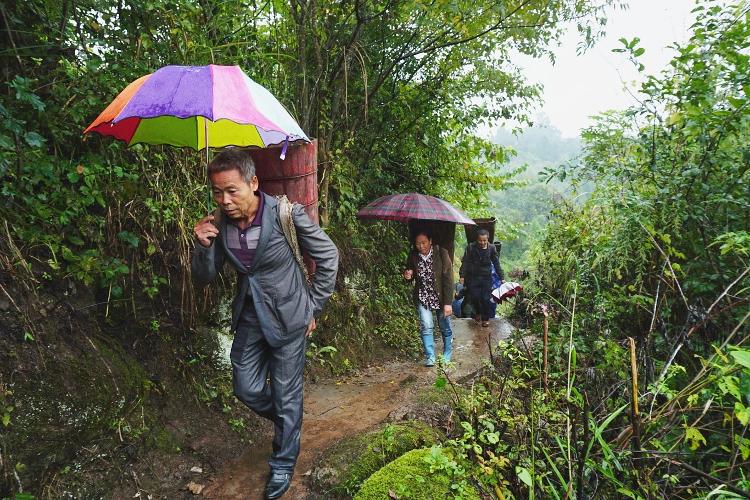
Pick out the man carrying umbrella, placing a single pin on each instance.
(273, 310)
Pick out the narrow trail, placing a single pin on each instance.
(346, 406)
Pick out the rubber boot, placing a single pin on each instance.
(447, 348)
(429, 350)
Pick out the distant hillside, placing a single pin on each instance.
(522, 211)
(538, 147)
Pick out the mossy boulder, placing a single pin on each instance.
(426, 473)
(347, 464)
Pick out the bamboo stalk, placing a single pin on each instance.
(546, 347)
(583, 452)
(570, 384)
(634, 415)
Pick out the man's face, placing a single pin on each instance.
(483, 240)
(234, 196)
(423, 244)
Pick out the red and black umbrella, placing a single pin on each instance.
(413, 206)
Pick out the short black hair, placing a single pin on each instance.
(234, 158)
(424, 233)
(483, 232)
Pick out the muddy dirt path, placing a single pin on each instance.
(346, 406)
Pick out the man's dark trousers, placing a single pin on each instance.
(480, 290)
(280, 401)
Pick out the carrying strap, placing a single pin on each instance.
(286, 218)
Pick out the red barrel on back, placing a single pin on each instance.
(296, 176)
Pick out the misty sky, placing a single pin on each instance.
(577, 87)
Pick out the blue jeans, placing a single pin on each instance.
(427, 326)
(457, 304)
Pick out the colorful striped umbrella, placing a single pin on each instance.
(413, 206)
(198, 106)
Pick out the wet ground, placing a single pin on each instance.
(346, 406)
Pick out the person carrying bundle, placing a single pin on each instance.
(475, 274)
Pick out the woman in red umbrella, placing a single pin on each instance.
(432, 271)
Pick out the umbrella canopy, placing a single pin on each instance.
(411, 206)
(506, 291)
(198, 107)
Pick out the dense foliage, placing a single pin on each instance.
(522, 209)
(644, 288)
(392, 90)
(659, 252)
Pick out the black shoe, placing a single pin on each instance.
(278, 483)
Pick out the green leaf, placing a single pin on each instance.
(573, 358)
(694, 437)
(75, 240)
(34, 140)
(440, 382)
(129, 238)
(628, 493)
(23, 94)
(6, 420)
(524, 476)
(729, 384)
(742, 357)
(737, 103)
(6, 142)
(742, 413)
(745, 384)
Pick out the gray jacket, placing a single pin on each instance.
(283, 302)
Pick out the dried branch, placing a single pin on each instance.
(705, 476)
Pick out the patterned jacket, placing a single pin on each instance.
(443, 269)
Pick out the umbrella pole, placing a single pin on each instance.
(209, 197)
